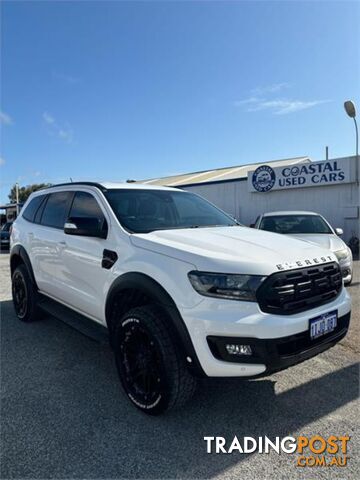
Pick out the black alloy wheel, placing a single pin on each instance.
(151, 366)
(140, 365)
(20, 294)
(25, 295)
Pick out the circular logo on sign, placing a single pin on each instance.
(263, 178)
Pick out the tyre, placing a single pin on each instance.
(151, 367)
(24, 295)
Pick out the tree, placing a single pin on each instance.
(24, 192)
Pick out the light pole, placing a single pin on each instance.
(351, 111)
(17, 198)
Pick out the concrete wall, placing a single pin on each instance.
(339, 204)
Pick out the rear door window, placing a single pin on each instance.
(40, 210)
(30, 211)
(56, 209)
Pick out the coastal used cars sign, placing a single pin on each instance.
(313, 174)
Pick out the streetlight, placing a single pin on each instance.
(17, 198)
(351, 111)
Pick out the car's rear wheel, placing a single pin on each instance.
(24, 294)
(151, 367)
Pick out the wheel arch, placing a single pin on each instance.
(135, 289)
(19, 256)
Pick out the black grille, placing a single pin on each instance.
(294, 291)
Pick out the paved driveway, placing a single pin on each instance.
(63, 414)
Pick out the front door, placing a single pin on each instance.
(81, 274)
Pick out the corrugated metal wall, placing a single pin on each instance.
(339, 204)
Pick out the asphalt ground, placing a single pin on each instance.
(63, 414)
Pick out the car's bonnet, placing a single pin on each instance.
(330, 241)
(232, 249)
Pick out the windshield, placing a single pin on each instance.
(6, 227)
(295, 224)
(143, 211)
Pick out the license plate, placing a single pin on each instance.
(323, 324)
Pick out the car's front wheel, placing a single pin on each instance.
(151, 367)
(24, 294)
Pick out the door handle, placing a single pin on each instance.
(62, 244)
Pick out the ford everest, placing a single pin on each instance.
(183, 290)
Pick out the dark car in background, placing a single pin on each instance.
(5, 236)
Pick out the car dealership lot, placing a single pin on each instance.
(63, 414)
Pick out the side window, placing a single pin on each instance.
(40, 210)
(30, 211)
(85, 205)
(56, 209)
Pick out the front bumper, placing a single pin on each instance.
(280, 353)
(279, 340)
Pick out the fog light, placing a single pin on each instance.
(234, 349)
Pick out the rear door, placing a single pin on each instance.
(81, 275)
(46, 241)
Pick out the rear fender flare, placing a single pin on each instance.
(18, 251)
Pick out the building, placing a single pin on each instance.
(329, 187)
(10, 210)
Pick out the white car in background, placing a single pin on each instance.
(312, 227)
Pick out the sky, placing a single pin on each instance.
(135, 90)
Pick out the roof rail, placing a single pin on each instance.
(88, 184)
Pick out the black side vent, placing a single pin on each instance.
(109, 259)
(295, 291)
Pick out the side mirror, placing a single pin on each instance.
(252, 225)
(86, 227)
(339, 231)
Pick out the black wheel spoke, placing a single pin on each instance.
(19, 294)
(139, 360)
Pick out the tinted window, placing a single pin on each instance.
(56, 209)
(31, 209)
(40, 210)
(85, 205)
(143, 211)
(295, 224)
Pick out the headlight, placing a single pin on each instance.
(342, 254)
(222, 285)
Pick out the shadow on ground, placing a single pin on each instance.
(64, 416)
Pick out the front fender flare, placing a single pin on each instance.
(151, 288)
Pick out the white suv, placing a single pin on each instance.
(183, 289)
(311, 227)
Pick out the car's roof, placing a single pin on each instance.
(112, 185)
(133, 185)
(289, 212)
